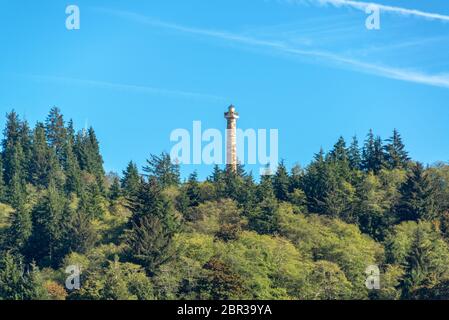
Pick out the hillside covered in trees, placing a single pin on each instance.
(304, 233)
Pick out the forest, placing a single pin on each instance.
(303, 233)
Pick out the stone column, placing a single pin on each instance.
(231, 142)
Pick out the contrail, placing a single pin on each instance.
(360, 5)
(438, 80)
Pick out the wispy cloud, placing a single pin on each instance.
(121, 86)
(360, 5)
(439, 80)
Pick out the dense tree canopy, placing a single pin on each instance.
(302, 233)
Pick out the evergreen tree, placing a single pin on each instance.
(339, 153)
(193, 191)
(218, 181)
(151, 227)
(149, 242)
(115, 190)
(296, 176)
(418, 264)
(27, 145)
(95, 162)
(373, 157)
(316, 183)
(13, 157)
(233, 183)
(20, 230)
(16, 187)
(92, 201)
(416, 200)
(78, 232)
(379, 155)
(163, 170)
(396, 156)
(368, 153)
(44, 166)
(56, 132)
(354, 157)
(18, 283)
(281, 182)
(263, 219)
(47, 217)
(87, 150)
(131, 180)
(71, 169)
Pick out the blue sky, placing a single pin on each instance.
(136, 70)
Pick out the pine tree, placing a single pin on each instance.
(92, 201)
(56, 132)
(368, 152)
(417, 263)
(316, 183)
(131, 180)
(27, 145)
(43, 166)
(354, 157)
(281, 182)
(339, 153)
(13, 157)
(18, 283)
(263, 218)
(16, 187)
(87, 150)
(47, 231)
(115, 190)
(373, 158)
(379, 155)
(163, 170)
(218, 181)
(71, 169)
(338, 160)
(78, 232)
(396, 156)
(193, 191)
(416, 199)
(151, 227)
(95, 160)
(150, 201)
(20, 230)
(149, 242)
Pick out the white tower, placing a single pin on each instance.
(231, 133)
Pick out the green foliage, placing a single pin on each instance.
(18, 283)
(416, 200)
(396, 156)
(163, 170)
(424, 256)
(131, 180)
(301, 234)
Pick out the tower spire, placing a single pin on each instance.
(231, 132)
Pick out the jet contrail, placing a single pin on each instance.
(360, 5)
